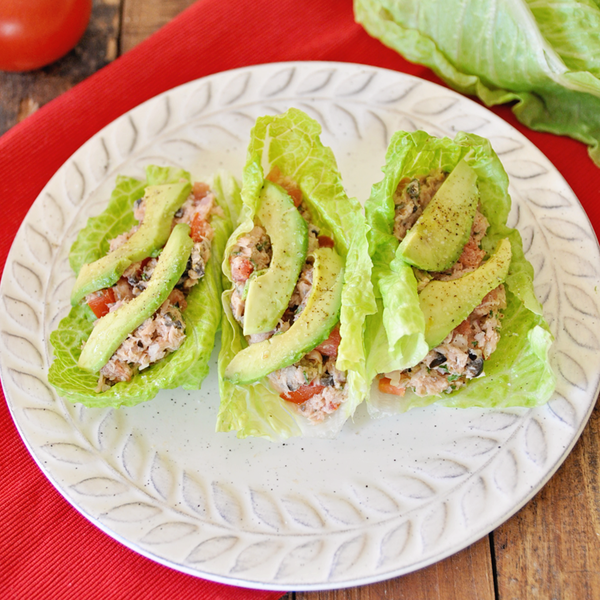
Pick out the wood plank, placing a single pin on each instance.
(141, 19)
(551, 549)
(467, 575)
(23, 93)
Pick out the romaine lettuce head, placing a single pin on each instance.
(543, 54)
(188, 366)
(518, 372)
(291, 142)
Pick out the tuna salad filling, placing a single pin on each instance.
(313, 383)
(461, 355)
(163, 332)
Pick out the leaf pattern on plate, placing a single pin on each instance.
(355, 84)
(227, 504)
(31, 385)
(433, 525)
(278, 83)
(297, 558)
(411, 487)
(168, 533)
(100, 486)
(394, 543)
(535, 442)
(302, 513)
(194, 494)
(47, 419)
(21, 313)
(28, 280)
(132, 512)
(473, 502)
(212, 548)
(22, 349)
(347, 555)
(256, 554)
(266, 510)
(506, 473)
(315, 81)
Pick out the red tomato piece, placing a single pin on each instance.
(303, 393)
(200, 228)
(34, 33)
(287, 183)
(241, 268)
(325, 242)
(385, 386)
(330, 346)
(200, 189)
(100, 300)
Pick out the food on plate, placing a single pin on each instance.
(543, 55)
(146, 302)
(458, 320)
(298, 271)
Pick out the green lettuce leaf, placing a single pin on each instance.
(291, 142)
(542, 54)
(188, 366)
(519, 367)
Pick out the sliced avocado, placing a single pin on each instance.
(446, 304)
(312, 326)
(162, 201)
(111, 330)
(436, 240)
(269, 293)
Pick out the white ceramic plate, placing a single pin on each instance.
(384, 498)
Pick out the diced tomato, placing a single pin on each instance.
(385, 386)
(290, 186)
(177, 297)
(201, 228)
(330, 346)
(99, 301)
(325, 242)
(241, 268)
(200, 189)
(302, 394)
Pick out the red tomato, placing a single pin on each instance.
(302, 394)
(325, 242)
(100, 300)
(330, 346)
(385, 386)
(34, 33)
(200, 228)
(200, 189)
(241, 268)
(287, 183)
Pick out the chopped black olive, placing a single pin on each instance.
(179, 213)
(440, 359)
(413, 189)
(474, 366)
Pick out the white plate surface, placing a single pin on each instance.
(386, 497)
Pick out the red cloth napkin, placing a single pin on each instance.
(48, 550)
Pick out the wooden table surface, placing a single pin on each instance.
(549, 549)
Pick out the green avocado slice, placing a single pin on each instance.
(313, 326)
(162, 201)
(111, 330)
(269, 293)
(446, 304)
(436, 240)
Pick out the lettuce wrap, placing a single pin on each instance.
(518, 373)
(544, 55)
(188, 365)
(290, 142)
